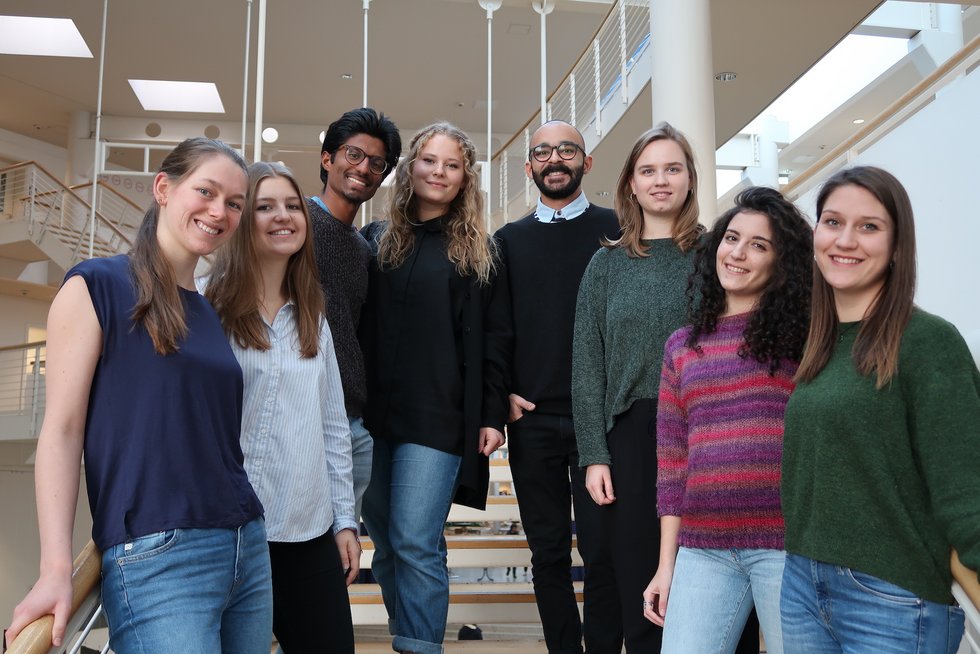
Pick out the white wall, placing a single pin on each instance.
(934, 154)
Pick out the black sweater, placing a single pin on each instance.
(541, 267)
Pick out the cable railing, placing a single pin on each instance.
(21, 390)
(55, 214)
(116, 208)
(601, 79)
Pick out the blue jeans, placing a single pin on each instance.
(712, 594)
(830, 608)
(194, 591)
(362, 447)
(405, 510)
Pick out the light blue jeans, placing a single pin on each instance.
(362, 448)
(829, 609)
(711, 597)
(194, 591)
(405, 510)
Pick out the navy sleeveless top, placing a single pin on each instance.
(162, 434)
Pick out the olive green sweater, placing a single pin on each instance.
(886, 481)
(626, 310)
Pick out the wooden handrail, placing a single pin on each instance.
(887, 114)
(85, 574)
(966, 578)
(106, 222)
(105, 186)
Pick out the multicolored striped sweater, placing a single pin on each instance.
(719, 440)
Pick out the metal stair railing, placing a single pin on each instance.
(22, 386)
(52, 210)
(605, 75)
(119, 210)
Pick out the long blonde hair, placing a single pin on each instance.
(469, 246)
(686, 227)
(233, 288)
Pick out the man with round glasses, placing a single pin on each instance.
(359, 150)
(543, 257)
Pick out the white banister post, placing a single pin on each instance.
(248, 38)
(491, 6)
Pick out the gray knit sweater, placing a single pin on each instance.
(627, 308)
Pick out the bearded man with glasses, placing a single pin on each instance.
(543, 257)
(360, 149)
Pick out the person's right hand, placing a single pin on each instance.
(51, 594)
(655, 596)
(598, 481)
(518, 405)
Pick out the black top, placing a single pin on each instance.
(542, 265)
(416, 381)
(342, 258)
(406, 350)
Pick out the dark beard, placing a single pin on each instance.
(574, 181)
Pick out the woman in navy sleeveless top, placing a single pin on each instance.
(140, 375)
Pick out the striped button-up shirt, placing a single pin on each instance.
(295, 434)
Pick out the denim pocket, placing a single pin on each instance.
(882, 589)
(145, 547)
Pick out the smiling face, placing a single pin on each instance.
(201, 211)
(853, 243)
(744, 261)
(556, 178)
(661, 180)
(279, 224)
(437, 176)
(354, 184)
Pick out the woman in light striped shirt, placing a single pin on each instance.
(295, 433)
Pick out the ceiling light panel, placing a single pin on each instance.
(41, 37)
(162, 95)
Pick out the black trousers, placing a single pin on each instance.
(310, 608)
(636, 529)
(547, 481)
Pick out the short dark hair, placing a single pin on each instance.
(363, 121)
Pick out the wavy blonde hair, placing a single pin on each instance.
(469, 246)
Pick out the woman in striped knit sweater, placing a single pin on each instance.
(726, 379)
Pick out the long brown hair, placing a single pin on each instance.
(686, 227)
(878, 340)
(234, 286)
(158, 303)
(468, 247)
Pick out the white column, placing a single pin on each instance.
(544, 7)
(259, 83)
(80, 148)
(682, 82)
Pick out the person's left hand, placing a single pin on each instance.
(490, 440)
(350, 553)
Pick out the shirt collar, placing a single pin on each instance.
(573, 209)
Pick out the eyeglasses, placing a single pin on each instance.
(355, 155)
(566, 150)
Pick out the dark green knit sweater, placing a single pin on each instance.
(886, 481)
(627, 309)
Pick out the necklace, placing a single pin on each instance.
(849, 327)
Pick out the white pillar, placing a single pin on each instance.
(544, 7)
(80, 148)
(682, 82)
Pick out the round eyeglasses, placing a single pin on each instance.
(566, 150)
(355, 155)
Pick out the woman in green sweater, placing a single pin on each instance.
(882, 441)
(630, 300)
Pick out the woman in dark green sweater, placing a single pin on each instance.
(882, 441)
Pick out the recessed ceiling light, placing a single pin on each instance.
(347, 76)
(41, 37)
(163, 95)
(858, 121)
(726, 76)
(270, 135)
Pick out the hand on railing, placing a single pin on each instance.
(39, 620)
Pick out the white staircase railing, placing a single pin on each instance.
(117, 209)
(604, 81)
(55, 215)
(21, 390)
